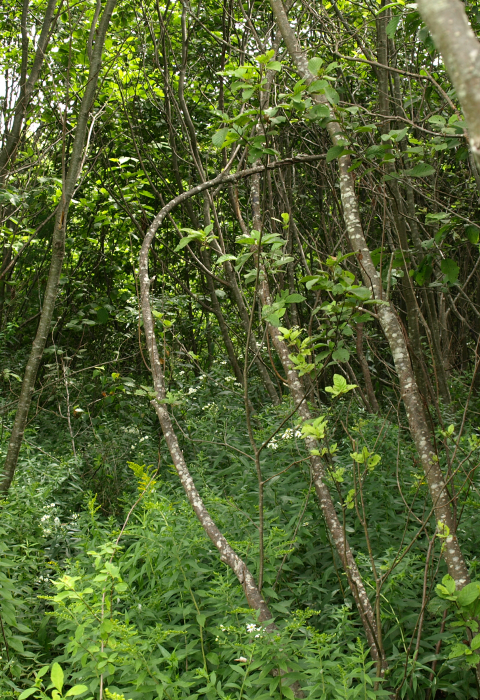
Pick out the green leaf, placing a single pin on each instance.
(201, 620)
(332, 95)
(274, 65)
(392, 26)
(475, 643)
(361, 292)
(421, 170)
(373, 151)
(27, 693)
(340, 386)
(319, 112)
(76, 690)
(472, 232)
(341, 355)
(57, 676)
(213, 658)
(315, 64)
(468, 594)
(294, 299)
(437, 119)
(218, 138)
(449, 584)
(334, 152)
(102, 315)
(450, 269)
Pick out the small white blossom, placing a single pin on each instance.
(253, 628)
(192, 390)
(272, 445)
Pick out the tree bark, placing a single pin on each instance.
(460, 48)
(417, 420)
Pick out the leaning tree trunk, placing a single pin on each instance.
(58, 252)
(332, 522)
(460, 48)
(417, 420)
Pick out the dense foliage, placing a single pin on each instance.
(239, 423)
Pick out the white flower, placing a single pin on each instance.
(288, 434)
(57, 522)
(201, 377)
(139, 606)
(192, 390)
(253, 628)
(181, 373)
(44, 518)
(298, 434)
(272, 445)
(229, 379)
(224, 362)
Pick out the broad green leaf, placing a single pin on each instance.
(218, 138)
(335, 152)
(468, 594)
(449, 584)
(57, 676)
(102, 315)
(319, 112)
(421, 170)
(27, 693)
(475, 643)
(76, 690)
(332, 95)
(450, 269)
(340, 386)
(274, 65)
(472, 232)
(392, 26)
(213, 658)
(294, 299)
(437, 119)
(201, 620)
(315, 64)
(341, 355)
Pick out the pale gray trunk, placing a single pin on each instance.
(460, 48)
(417, 420)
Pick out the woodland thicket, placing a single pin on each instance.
(239, 342)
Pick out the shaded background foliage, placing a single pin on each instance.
(180, 90)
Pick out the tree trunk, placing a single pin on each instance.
(460, 49)
(417, 420)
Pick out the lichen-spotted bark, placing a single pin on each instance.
(330, 516)
(418, 425)
(227, 553)
(460, 48)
